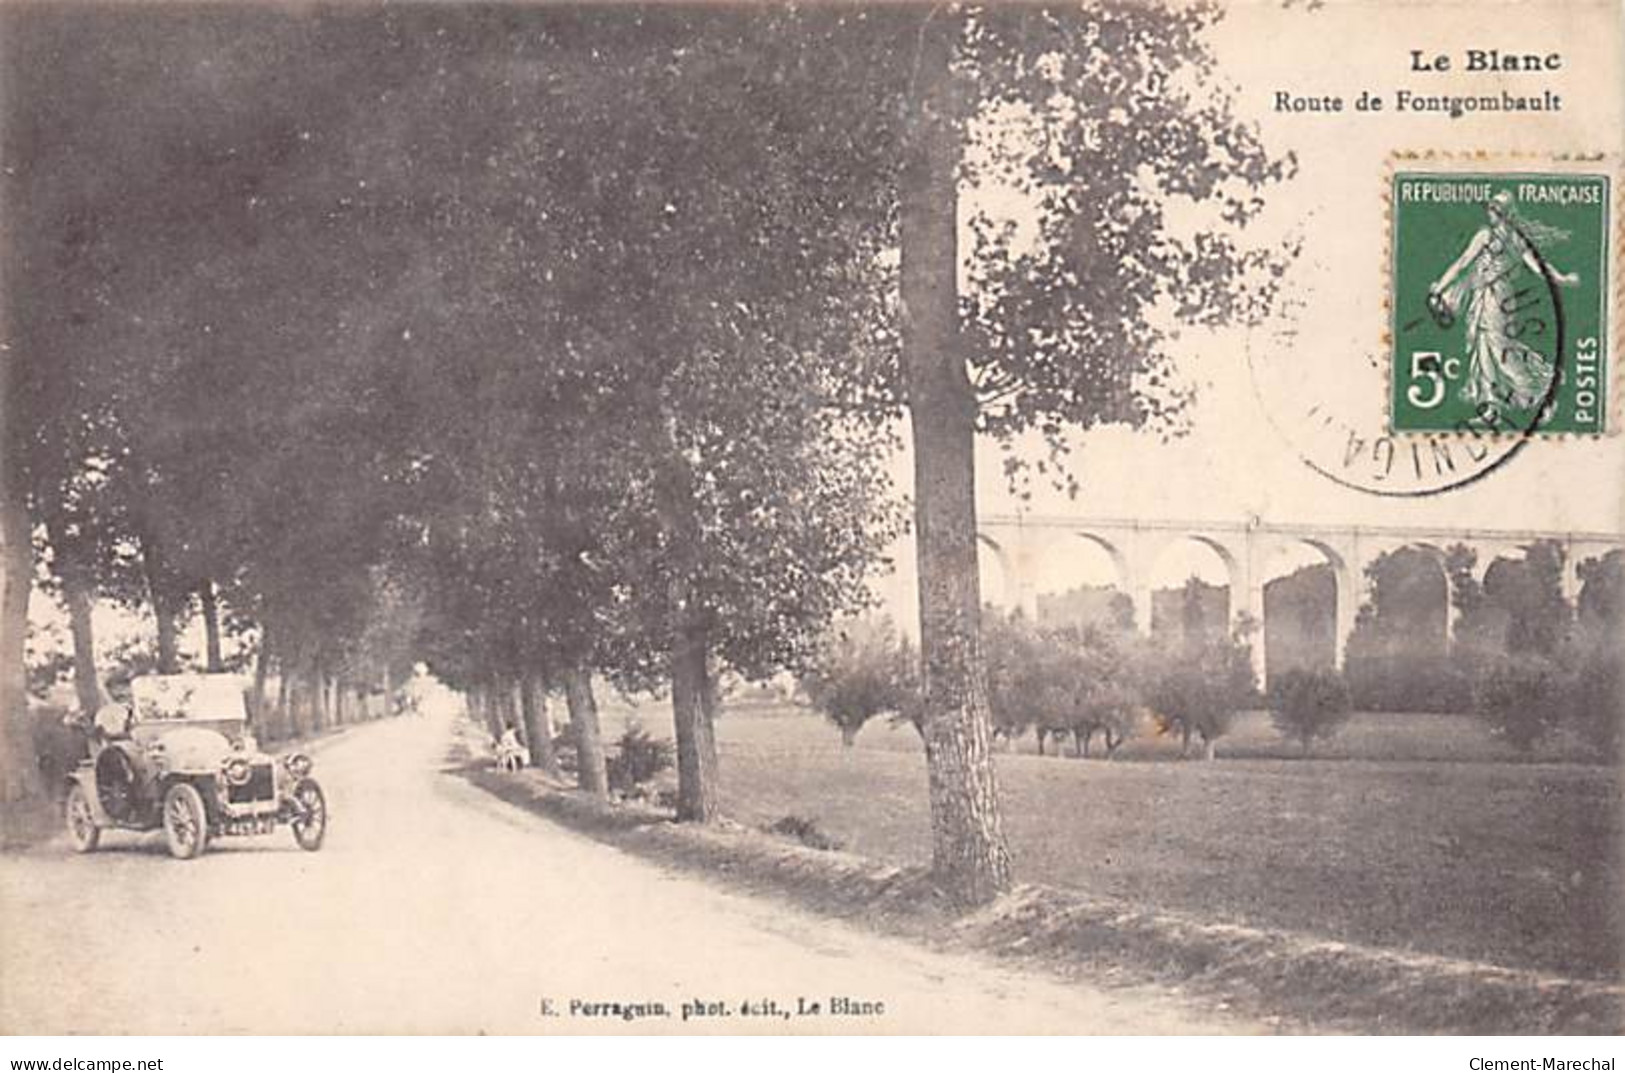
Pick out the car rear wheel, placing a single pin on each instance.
(310, 815)
(186, 825)
(82, 830)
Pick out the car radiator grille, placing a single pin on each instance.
(259, 786)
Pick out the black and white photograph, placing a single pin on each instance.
(812, 519)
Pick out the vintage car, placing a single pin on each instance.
(181, 757)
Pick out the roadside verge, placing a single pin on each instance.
(1295, 981)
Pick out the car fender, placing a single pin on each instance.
(84, 777)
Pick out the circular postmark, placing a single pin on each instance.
(1473, 364)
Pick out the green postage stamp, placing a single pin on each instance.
(1499, 303)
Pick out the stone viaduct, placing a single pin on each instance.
(1022, 542)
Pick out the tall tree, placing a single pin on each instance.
(1398, 653)
(20, 790)
(1121, 122)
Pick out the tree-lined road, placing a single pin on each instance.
(434, 908)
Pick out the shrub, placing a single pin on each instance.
(859, 672)
(1198, 690)
(1106, 690)
(58, 747)
(565, 750)
(804, 830)
(1521, 699)
(1306, 705)
(1072, 680)
(1594, 661)
(638, 758)
(1011, 651)
(1399, 682)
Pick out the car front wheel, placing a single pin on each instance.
(186, 825)
(82, 830)
(310, 815)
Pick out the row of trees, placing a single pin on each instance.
(546, 342)
(1056, 681)
(1433, 621)
(1530, 668)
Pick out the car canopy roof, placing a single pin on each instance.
(188, 697)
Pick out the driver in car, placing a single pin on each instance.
(119, 764)
(113, 719)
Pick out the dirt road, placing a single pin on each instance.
(436, 909)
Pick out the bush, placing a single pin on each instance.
(1198, 690)
(1058, 681)
(1012, 653)
(638, 758)
(1306, 705)
(859, 672)
(565, 750)
(1393, 682)
(1594, 661)
(1521, 698)
(804, 830)
(58, 747)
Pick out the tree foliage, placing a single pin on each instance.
(580, 332)
(1398, 658)
(1309, 705)
(1521, 699)
(1063, 681)
(1197, 690)
(861, 670)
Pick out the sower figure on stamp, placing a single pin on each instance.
(1478, 284)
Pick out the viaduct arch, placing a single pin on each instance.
(1022, 543)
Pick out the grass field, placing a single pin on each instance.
(1414, 833)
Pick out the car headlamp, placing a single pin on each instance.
(299, 765)
(237, 771)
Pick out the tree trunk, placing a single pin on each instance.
(849, 736)
(491, 703)
(693, 707)
(1210, 748)
(591, 773)
(298, 701)
(21, 793)
(510, 704)
(262, 661)
(211, 626)
(506, 716)
(164, 611)
(389, 693)
(538, 727)
(692, 697)
(306, 716)
(968, 851)
(77, 595)
(318, 687)
(284, 695)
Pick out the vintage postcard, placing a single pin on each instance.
(747, 518)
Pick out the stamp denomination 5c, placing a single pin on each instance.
(1499, 303)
